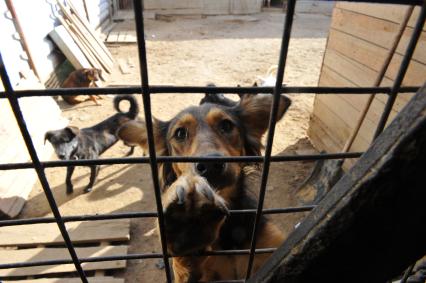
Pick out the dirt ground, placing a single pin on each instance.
(194, 51)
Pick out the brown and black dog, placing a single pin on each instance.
(196, 197)
(85, 77)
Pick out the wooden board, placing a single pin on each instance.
(70, 280)
(389, 12)
(351, 73)
(127, 36)
(38, 254)
(361, 227)
(358, 43)
(373, 56)
(92, 36)
(331, 78)
(71, 50)
(80, 232)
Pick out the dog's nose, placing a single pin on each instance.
(210, 169)
(61, 156)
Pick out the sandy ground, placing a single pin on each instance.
(224, 50)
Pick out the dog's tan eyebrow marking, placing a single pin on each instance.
(186, 120)
(215, 115)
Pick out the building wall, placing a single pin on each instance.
(14, 56)
(359, 38)
(203, 7)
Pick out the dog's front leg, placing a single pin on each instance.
(193, 216)
(68, 183)
(94, 170)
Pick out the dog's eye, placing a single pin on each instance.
(226, 126)
(181, 134)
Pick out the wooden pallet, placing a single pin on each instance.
(38, 242)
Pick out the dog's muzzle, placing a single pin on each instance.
(213, 171)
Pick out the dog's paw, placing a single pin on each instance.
(87, 190)
(193, 214)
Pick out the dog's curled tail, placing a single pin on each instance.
(133, 109)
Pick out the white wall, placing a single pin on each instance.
(11, 49)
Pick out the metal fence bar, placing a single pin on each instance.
(14, 104)
(183, 159)
(145, 214)
(407, 273)
(153, 160)
(143, 64)
(216, 89)
(132, 257)
(271, 128)
(402, 70)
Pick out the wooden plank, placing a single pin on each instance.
(68, 46)
(389, 12)
(92, 43)
(358, 74)
(349, 115)
(39, 254)
(113, 36)
(93, 62)
(361, 75)
(373, 56)
(91, 32)
(80, 232)
(351, 70)
(341, 130)
(336, 115)
(345, 108)
(360, 227)
(376, 31)
(70, 280)
(319, 135)
(419, 53)
(105, 64)
(331, 78)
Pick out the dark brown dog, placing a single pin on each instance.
(72, 143)
(197, 197)
(85, 77)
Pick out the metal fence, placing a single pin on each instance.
(146, 90)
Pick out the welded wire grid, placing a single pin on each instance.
(146, 90)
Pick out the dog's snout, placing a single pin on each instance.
(210, 168)
(61, 156)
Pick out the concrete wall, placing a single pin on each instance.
(203, 7)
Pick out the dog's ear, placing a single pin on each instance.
(134, 133)
(47, 136)
(71, 132)
(254, 112)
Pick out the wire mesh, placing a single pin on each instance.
(146, 90)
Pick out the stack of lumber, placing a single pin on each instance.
(360, 36)
(79, 41)
(39, 242)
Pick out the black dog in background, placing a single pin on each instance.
(218, 98)
(72, 143)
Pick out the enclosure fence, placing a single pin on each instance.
(146, 90)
